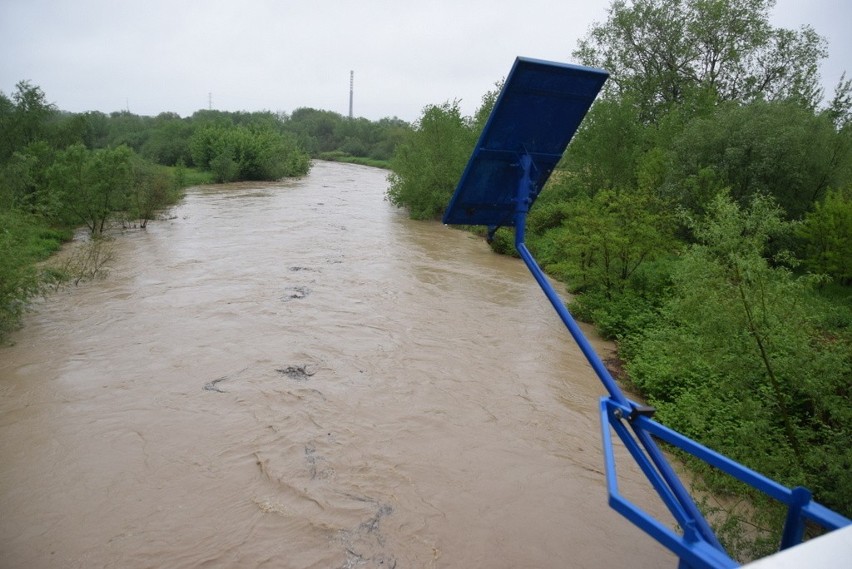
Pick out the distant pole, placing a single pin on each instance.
(210, 101)
(351, 90)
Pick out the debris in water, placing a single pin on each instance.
(297, 373)
(212, 385)
(295, 293)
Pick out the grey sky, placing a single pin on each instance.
(153, 56)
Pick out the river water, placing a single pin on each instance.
(296, 375)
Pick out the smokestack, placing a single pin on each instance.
(351, 90)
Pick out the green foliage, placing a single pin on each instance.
(23, 118)
(254, 152)
(152, 189)
(606, 150)
(665, 53)
(503, 242)
(601, 241)
(779, 149)
(23, 179)
(168, 142)
(827, 232)
(430, 160)
(739, 358)
(341, 156)
(185, 177)
(322, 132)
(24, 240)
(91, 185)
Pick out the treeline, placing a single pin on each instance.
(330, 136)
(703, 218)
(60, 170)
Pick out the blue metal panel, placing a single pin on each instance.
(536, 114)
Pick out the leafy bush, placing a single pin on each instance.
(429, 161)
(253, 152)
(827, 233)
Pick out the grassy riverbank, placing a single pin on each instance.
(340, 156)
(27, 240)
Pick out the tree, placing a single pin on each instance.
(666, 52)
(23, 118)
(150, 191)
(607, 149)
(24, 241)
(253, 152)
(23, 180)
(316, 131)
(168, 142)
(129, 129)
(428, 163)
(740, 358)
(92, 185)
(772, 148)
(827, 231)
(603, 240)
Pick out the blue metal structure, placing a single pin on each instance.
(536, 114)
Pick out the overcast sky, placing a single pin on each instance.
(151, 56)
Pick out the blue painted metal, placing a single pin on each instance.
(535, 116)
(561, 95)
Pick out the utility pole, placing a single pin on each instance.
(351, 90)
(210, 100)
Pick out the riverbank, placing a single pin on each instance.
(29, 240)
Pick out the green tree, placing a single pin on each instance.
(316, 131)
(429, 161)
(92, 185)
(774, 148)
(253, 152)
(23, 181)
(739, 358)
(151, 190)
(665, 52)
(129, 129)
(607, 149)
(168, 142)
(23, 118)
(827, 231)
(603, 240)
(23, 242)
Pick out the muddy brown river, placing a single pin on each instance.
(296, 375)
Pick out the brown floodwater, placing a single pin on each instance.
(296, 375)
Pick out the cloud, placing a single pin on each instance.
(158, 55)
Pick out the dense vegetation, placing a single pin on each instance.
(59, 171)
(703, 217)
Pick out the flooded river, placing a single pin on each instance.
(295, 375)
